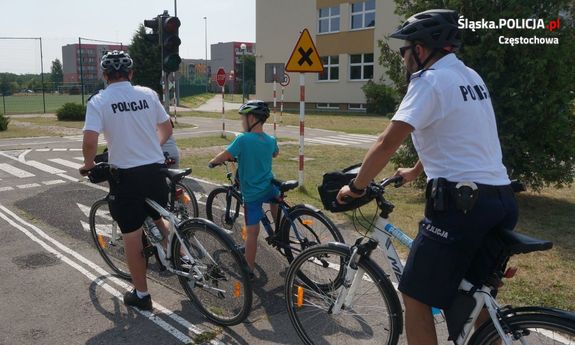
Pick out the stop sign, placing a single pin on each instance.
(221, 77)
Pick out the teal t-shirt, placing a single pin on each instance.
(254, 152)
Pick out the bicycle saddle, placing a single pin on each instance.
(516, 243)
(176, 175)
(284, 186)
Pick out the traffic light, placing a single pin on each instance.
(154, 25)
(170, 44)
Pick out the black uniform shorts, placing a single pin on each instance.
(452, 245)
(127, 195)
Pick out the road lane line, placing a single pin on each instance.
(26, 186)
(66, 163)
(114, 292)
(185, 323)
(42, 150)
(15, 171)
(4, 189)
(59, 150)
(53, 182)
(324, 141)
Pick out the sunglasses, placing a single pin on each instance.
(403, 49)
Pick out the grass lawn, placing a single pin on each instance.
(49, 121)
(362, 123)
(196, 100)
(16, 131)
(33, 103)
(545, 278)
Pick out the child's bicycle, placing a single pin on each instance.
(351, 299)
(300, 226)
(210, 268)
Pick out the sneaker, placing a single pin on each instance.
(132, 299)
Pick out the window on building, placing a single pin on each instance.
(356, 107)
(330, 68)
(361, 67)
(363, 14)
(327, 106)
(329, 19)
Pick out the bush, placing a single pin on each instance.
(381, 99)
(4, 121)
(71, 112)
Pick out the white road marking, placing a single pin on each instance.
(151, 316)
(42, 150)
(26, 186)
(354, 138)
(66, 163)
(15, 171)
(4, 189)
(75, 150)
(70, 178)
(44, 167)
(59, 150)
(342, 139)
(22, 156)
(367, 136)
(328, 142)
(53, 182)
(79, 158)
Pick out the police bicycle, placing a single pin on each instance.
(352, 300)
(298, 227)
(210, 268)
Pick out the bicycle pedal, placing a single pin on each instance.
(149, 251)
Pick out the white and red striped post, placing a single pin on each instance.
(223, 114)
(275, 99)
(282, 106)
(301, 126)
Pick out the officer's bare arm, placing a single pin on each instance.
(379, 154)
(89, 147)
(164, 131)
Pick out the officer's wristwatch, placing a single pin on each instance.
(354, 189)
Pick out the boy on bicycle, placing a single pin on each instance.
(254, 150)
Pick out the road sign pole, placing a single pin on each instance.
(282, 106)
(301, 126)
(223, 114)
(275, 100)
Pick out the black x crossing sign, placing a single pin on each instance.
(304, 57)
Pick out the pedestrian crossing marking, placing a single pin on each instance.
(45, 167)
(66, 163)
(343, 139)
(15, 171)
(53, 182)
(30, 185)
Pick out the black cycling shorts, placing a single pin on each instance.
(127, 196)
(452, 245)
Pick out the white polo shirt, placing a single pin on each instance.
(455, 131)
(128, 116)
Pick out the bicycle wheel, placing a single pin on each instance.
(108, 238)
(540, 329)
(307, 228)
(374, 317)
(223, 208)
(185, 204)
(219, 285)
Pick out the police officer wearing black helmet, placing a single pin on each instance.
(448, 112)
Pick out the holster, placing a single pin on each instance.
(443, 195)
(465, 195)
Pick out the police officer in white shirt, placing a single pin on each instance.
(135, 124)
(448, 112)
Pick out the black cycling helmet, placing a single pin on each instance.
(116, 61)
(436, 29)
(259, 109)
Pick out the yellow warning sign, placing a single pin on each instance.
(304, 58)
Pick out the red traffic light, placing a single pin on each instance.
(171, 24)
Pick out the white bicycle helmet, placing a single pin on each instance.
(116, 61)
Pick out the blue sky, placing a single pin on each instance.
(61, 22)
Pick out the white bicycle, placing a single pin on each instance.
(352, 300)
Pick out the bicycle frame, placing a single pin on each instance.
(383, 232)
(165, 256)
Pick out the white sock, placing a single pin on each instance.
(142, 294)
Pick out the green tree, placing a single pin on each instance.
(531, 89)
(146, 56)
(250, 70)
(56, 73)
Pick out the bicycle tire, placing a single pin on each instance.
(225, 269)
(320, 325)
(216, 205)
(541, 323)
(302, 215)
(110, 247)
(182, 209)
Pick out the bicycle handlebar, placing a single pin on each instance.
(396, 180)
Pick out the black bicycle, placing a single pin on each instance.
(299, 227)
